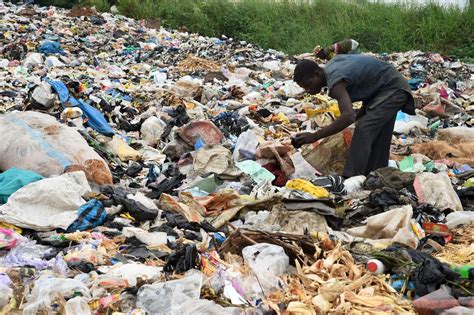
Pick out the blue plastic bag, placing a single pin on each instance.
(95, 119)
(91, 214)
(199, 144)
(49, 48)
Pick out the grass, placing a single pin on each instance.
(296, 26)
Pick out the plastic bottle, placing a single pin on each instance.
(375, 266)
(465, 271)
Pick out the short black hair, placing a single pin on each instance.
(305, 69)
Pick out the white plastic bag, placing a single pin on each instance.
(267, 262)
(291, 89)
(405, 123)
(5, 294)
(159, 77)
(273, 65)
(457, 218)
(302, 168)
(133, 271)
(201, 307)
(47, 204)
(37, 142)
(166, 297)
(437, 191)
(47, 289)
(4, 63)
(354, 184)
(53, 62)
(148, 238)
(77, 306)
(187, 87)
(44, 95)
(393, 225)
(33, 59)
(152, 129)
(246, 146)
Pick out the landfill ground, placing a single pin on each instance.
(151, 171)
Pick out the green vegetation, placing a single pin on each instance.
(295, 26)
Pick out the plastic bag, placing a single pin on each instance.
(354, 184)
(123, 150)
(37, 142)
(329, 155)
(302, 168)
(133, 271)
(256, 171)
(152, 129)
(47, 204)
(291, 89)
(166, 297)
(49, 48)
(159, 77)
(5, 294)
(437, 191)
(187, 87)
(207, 307)
(296, 221)
(43, 95)
(46, 290)
(273, 65)
(405, 123)
(53, 62)
(458, 310)
(245, 146)
(393, 225)
(77, 306)
(206, 130)
(90, 215)
(308, 187)
(27, 253)
(95, 118)
(148, 238)
(215, 159)
(33, 59)
(435, 302)
(457, 218)
(267, 262)
(216, 209)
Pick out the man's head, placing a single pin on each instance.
(309, 76)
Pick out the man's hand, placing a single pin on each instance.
(304, 138)
(347, 117)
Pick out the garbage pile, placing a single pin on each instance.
(150, 171)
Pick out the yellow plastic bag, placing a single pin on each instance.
(333, 108)
(281, 117)
(123, 150)
(306, 186)
(8, 226)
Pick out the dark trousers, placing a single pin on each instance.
(370, 147)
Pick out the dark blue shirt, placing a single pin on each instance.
(369, 80)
